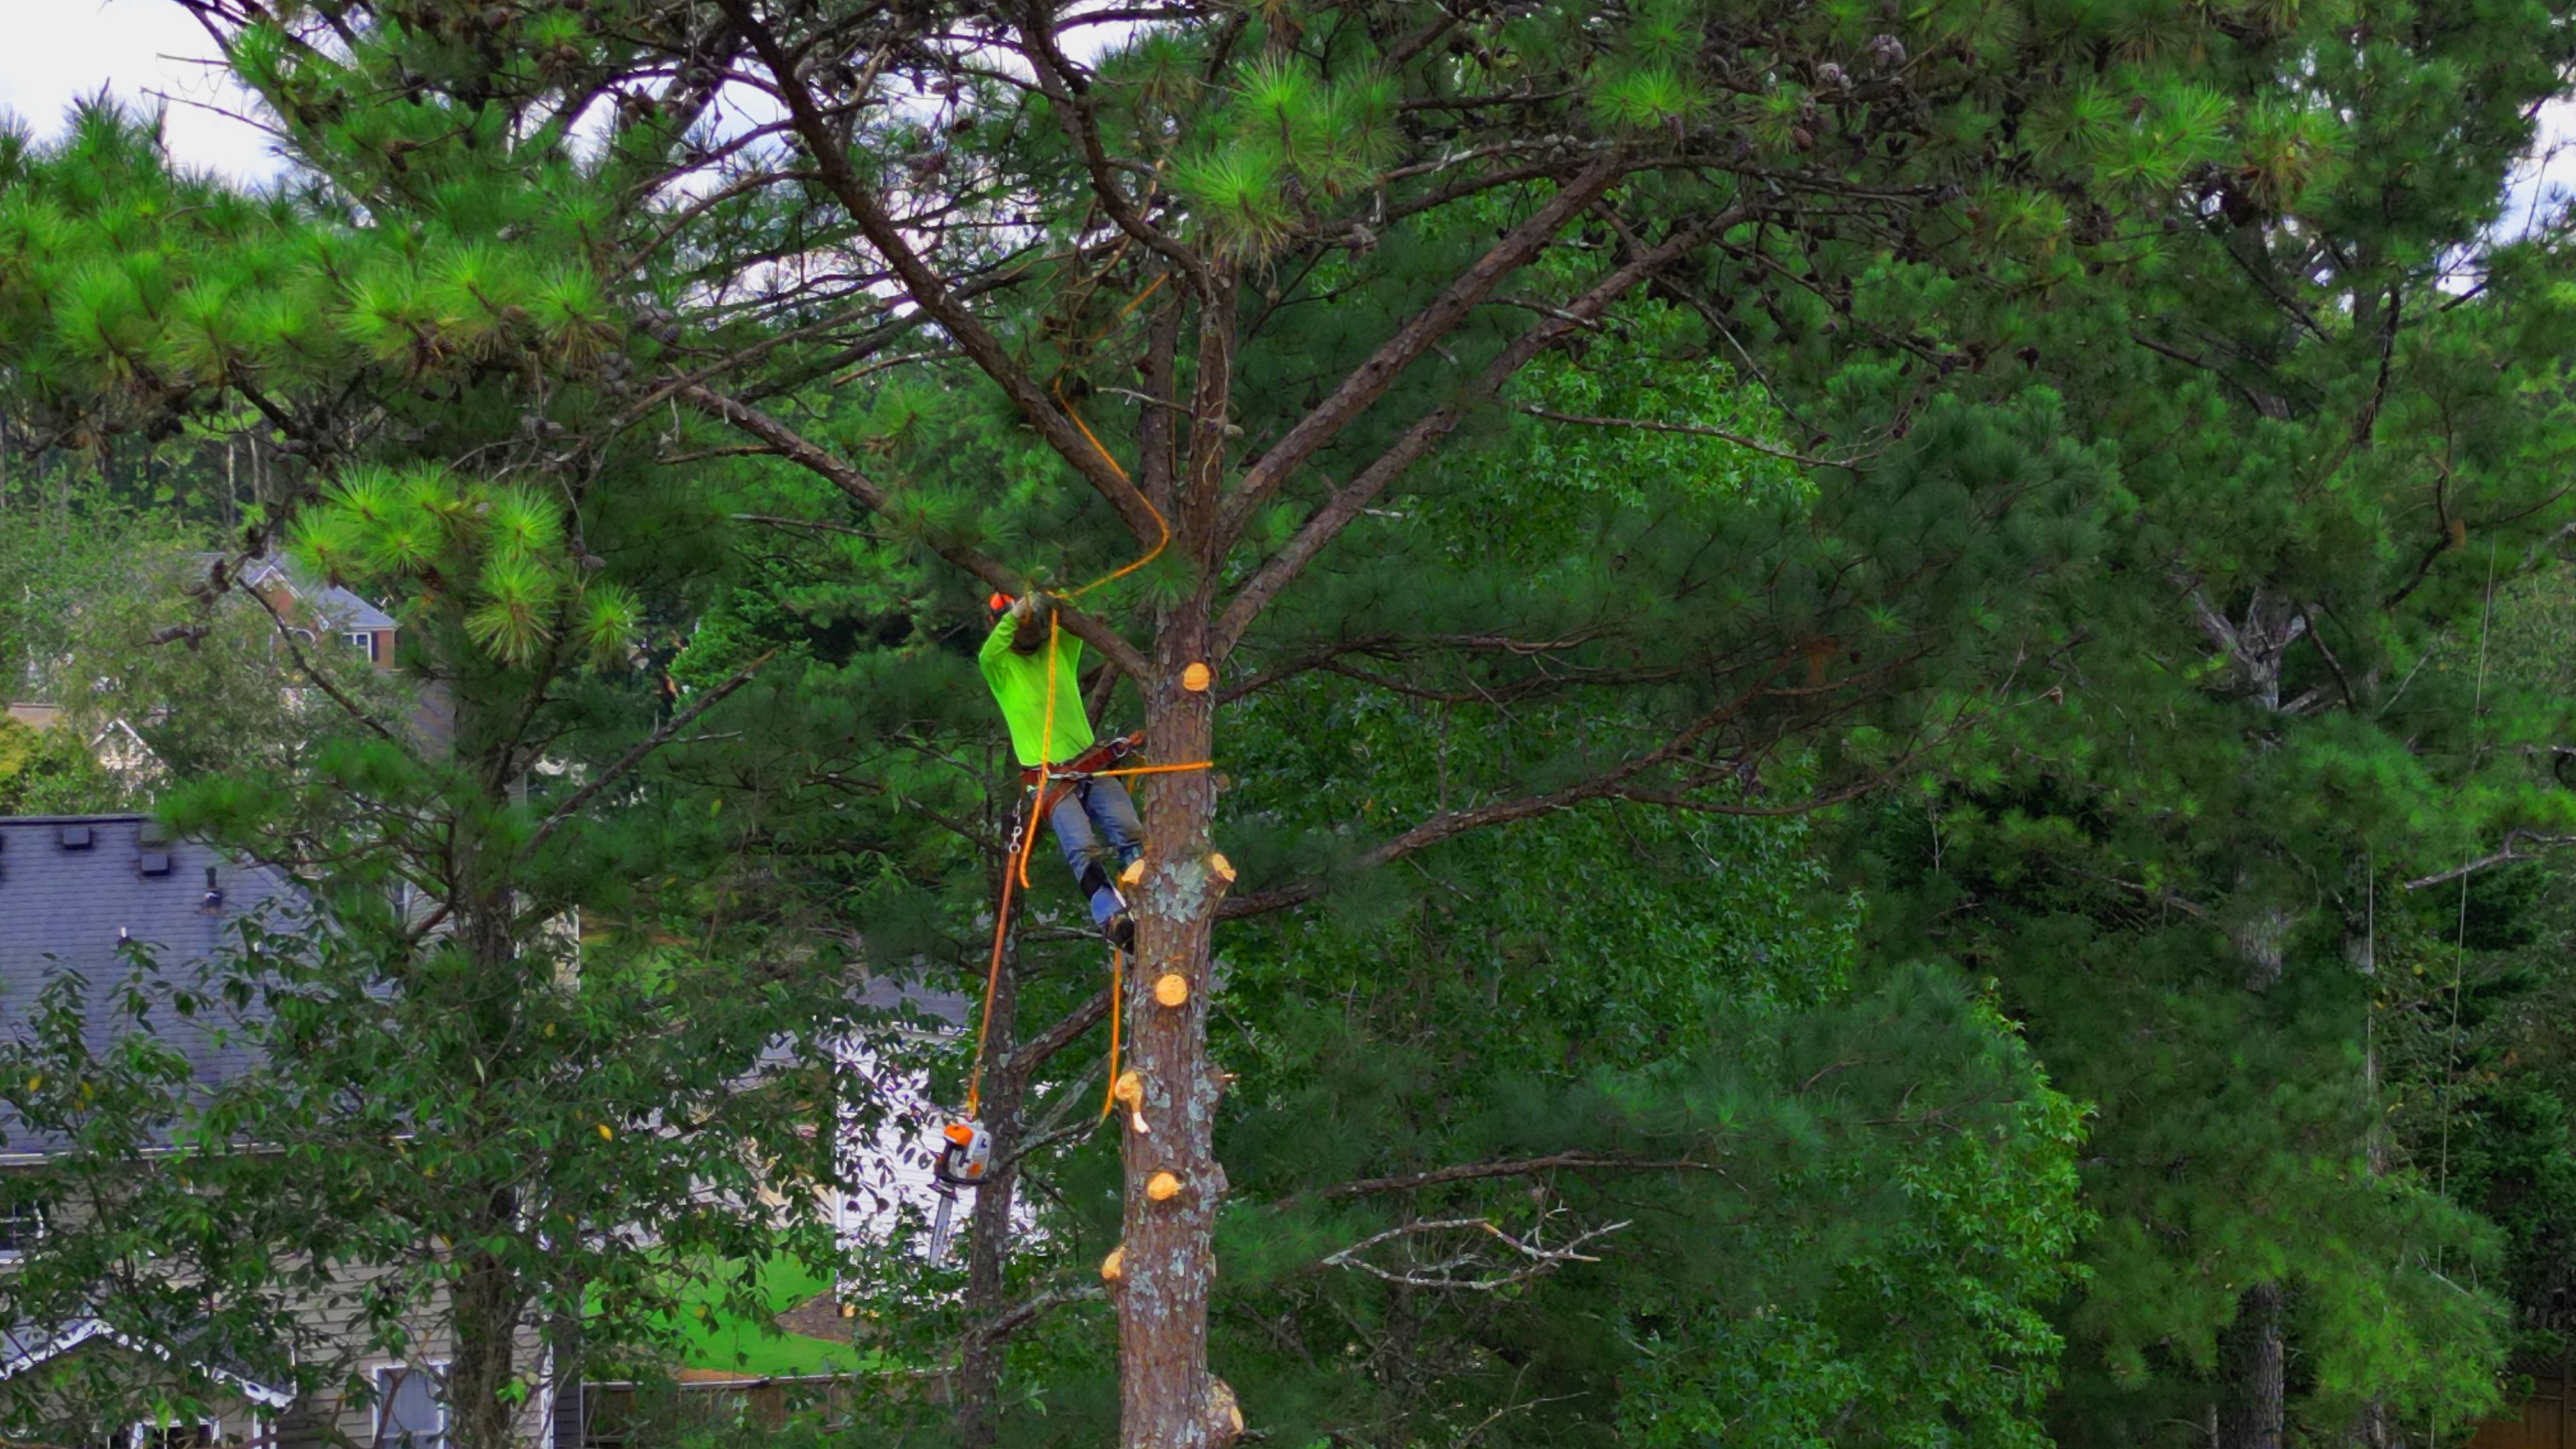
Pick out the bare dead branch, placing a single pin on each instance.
(2518, 845)
(1517, 1167)
(643, 750)
(1538, 1258)
(1693, 430)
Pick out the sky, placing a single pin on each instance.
(149, 53)
(53, 52)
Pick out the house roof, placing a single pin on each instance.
(28, 1345)
(69, 910)
(334, 605)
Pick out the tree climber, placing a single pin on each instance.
(1094, 818)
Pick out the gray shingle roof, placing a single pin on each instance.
(61, 910)
(332, 604)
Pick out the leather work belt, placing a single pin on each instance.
(1103, 756)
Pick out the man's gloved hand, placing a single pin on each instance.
(1030, 614)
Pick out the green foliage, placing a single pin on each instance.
(2075, 411)
(52, 772)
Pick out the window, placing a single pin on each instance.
(176, 1436)
(411, 1410)
(22, 1222)
(364, 641)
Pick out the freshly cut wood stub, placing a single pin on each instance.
(1134, 874)
(1197, 678)
(1114, 1267)
(1224, 1411)
(1162, 1187)
(1129, 1092)
(1172, 989)
(1223, 867)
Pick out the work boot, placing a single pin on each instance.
(1121, 930)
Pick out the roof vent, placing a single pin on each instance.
(76, 837)
(152, 862)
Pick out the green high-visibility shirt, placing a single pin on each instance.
(1019, 684)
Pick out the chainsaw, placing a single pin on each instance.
(965, 1159)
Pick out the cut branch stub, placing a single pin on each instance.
(1225, 1412)
(1130, 1094)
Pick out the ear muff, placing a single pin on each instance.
(998, 602)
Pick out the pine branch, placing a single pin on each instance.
(1449, 823)
(929, 290)
(1065, 87)
(1061, 1035)
(348, 706)
(871, 495)
(1366, 383)
(1346, 502)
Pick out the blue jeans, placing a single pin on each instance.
(1095, 823)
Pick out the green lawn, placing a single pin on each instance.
(720, 1339)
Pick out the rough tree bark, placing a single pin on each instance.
(1173, 1182)
(2250, 1364)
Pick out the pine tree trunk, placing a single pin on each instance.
(2250, 1365)
(988, 1238)
(1167, 1398)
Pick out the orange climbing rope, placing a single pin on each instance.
(1117, 989)
(1161, 527)
(1017, 871)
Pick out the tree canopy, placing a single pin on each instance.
(1824, 670)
